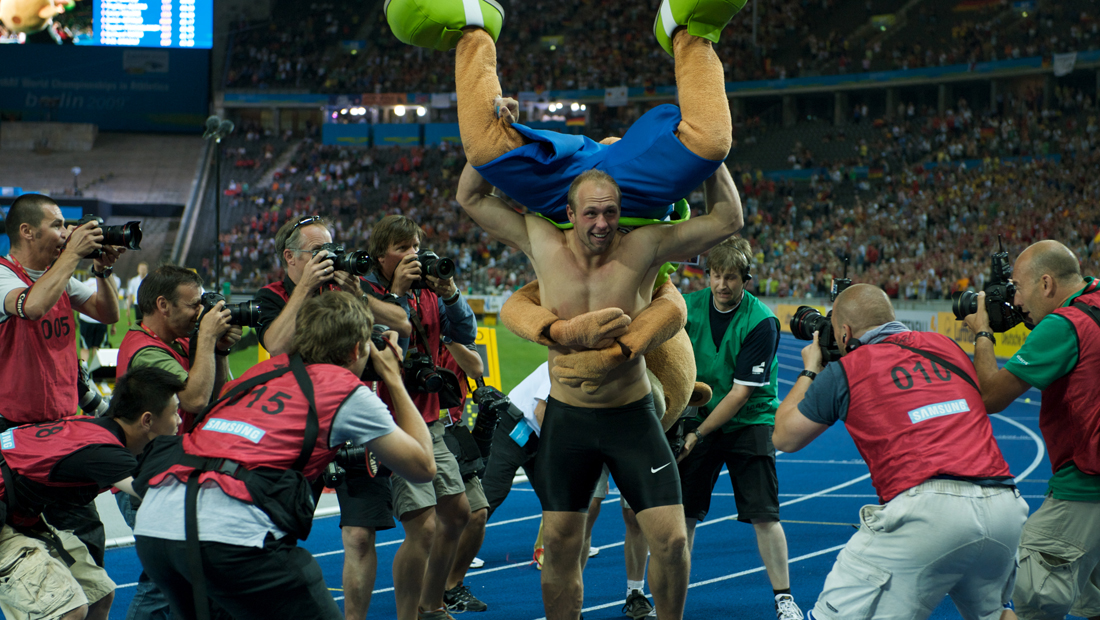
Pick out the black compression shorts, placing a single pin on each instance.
(576, 442)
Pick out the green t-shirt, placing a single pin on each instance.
(157, 357)
(1048, 354)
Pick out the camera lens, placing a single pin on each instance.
(806, 321)
(356, 263)
(964, 304)
(245, 314)
(127, 235)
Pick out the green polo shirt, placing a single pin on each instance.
(1048, 354)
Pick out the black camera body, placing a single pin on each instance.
(357, 263)
(432, 265)
(491, 405)
(420, 374)
(352, 457)
(379, 341)
(244, 314)
(127, 235)
(807, 320)
(1000, 292)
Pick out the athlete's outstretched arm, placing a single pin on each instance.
(724, 217)
(490, 212)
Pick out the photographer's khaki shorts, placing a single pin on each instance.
(408, 497)
(35, 583)
(475, 494)
(1059, 562)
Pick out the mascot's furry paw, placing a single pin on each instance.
(587, 369)
(592, 330)
(507, 109)
(438, 24)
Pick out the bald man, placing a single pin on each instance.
(949, 517)
(1060, 547)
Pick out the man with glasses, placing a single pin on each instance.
(365, 504)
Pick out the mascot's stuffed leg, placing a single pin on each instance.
(666, 154)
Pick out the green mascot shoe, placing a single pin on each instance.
(438, 24)
(703, 18)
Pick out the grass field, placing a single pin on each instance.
(518, 357)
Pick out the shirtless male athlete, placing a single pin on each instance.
(588, 268)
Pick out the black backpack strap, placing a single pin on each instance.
(45, 535)
(193, 547)
(313, 425)
(936, 359)
(1090, 311)
(239, 391)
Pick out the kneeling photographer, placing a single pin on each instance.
(172, 306)
(433, 514)
(1060, 547)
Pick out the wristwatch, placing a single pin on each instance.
(989, 335)
(808, 373)
(698, 435)
(106, 273)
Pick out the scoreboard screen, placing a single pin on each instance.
(153, 23)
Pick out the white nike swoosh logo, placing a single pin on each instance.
(653, 471)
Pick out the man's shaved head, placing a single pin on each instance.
(27, 209)
(1049, 258)
(861, 307)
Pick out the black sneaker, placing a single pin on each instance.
(637, 605)
(459, 599)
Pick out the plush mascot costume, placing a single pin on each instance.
(666, 154)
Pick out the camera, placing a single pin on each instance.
(807, 320)
(245, 314)
(348, 457)
(357, 263)
(420, 374)
(379, 341)
(127, 235)
(999, 294)
(432, 265)
(491, 404)
(91, 403)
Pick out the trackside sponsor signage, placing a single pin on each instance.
(249, 432)
(938, 409)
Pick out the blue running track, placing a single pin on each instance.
(821, 490)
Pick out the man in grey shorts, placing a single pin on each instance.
(950, 516)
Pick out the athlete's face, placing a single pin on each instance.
(183, 315)
(596, 218)
(727, 289)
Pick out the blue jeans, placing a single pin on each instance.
(149, 603)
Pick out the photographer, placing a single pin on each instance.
(437, 310)
(69, 462)
(38, 358)
(232, 539)
(466, 363)
(950, 516)
(309, 271)
(170, 299)
(366, 506)
(1060, 548)
(735, 338)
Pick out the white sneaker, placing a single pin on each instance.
(477, 563)
(786, 608)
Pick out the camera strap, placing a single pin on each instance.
(422, 335)
(936, 359)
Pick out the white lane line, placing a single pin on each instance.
(724, 577)
(1040, 447)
